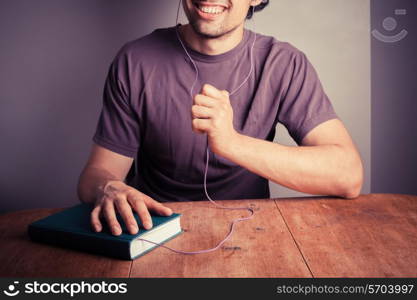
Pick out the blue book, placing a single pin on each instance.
(71, 228)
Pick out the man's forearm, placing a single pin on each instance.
(320, 170)
(92, 182)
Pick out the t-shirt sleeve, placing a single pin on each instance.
(305, 104)
(118, 126)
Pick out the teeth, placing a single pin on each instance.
(211, 9)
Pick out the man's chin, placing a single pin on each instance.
(207, 33)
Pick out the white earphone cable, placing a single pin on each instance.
(207, 150)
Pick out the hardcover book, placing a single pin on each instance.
(71, 228)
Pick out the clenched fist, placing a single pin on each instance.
(212, 113)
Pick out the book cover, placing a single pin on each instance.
(71, 228)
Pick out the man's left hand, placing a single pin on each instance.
(212, 113)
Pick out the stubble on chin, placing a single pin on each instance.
(206, 32)
(219, 32)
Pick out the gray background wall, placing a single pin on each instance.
(334, 34)
(394, 100)
(54, 57)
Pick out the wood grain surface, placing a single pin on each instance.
(259, 247)
(374, 235)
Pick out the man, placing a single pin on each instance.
(149, 116)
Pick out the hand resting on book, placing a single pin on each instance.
(120, 197)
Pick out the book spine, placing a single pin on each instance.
(107, 247)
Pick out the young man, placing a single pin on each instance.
(151, 116)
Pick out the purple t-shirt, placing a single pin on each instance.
(146, 111)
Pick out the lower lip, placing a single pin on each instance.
(208, 16)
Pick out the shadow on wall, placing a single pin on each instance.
(53, 70)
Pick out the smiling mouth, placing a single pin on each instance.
(210, 8)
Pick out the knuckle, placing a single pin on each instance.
(94, 217)
(150, 202)
(197, 99)
(130, 217)
(133, 200)
(130, 221)
(132, 193)
(108, 205)
(120, 200)
(108, 200)
(114, 224)
(148, 205)
(117, 203)
(139, 201)
(134, 205)
(110, 219)
(109, 216)
(137, 197)
(145, 212)
(138, 206)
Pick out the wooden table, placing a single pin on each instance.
(374, 235)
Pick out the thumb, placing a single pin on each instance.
(225, 93)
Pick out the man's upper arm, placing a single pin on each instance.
(331, 132)
(116, 164)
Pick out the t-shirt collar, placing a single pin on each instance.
(219, 57)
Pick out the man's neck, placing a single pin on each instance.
(211, 46)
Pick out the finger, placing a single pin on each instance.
(125, 211)
(203, 100)
(211, 91)
(201, 125)
(144, 215)
(110, 216)
(95, 219)
(198, 111)
(158, 207)
(138, 204)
